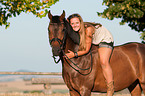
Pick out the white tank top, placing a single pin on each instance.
(101, 34)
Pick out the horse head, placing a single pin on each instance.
(57, 33)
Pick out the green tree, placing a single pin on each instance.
(10, 8)
(131, 12)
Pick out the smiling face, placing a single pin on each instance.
(75, 23)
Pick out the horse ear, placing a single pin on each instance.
(49, 15)
(62, 15)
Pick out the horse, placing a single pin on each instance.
(83, 74)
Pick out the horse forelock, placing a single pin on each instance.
(56, 19)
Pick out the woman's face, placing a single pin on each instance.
(75, 23)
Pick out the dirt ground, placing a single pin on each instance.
(56, 94)
(20, 85)
(26, 88)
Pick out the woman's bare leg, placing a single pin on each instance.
(105, 54)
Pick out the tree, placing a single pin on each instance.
(131, 12)
(10, 8)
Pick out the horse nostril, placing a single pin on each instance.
(56, 51)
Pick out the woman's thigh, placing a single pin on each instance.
(104, 54)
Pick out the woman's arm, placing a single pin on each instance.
(89, 32)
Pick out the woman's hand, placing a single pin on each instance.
(70, 54)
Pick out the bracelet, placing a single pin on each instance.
(76, 54)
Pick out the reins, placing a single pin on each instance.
(90, 67)
(54, 58)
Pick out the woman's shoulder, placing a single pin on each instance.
(90, 31)
(90, 28)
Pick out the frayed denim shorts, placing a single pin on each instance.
(107, 45)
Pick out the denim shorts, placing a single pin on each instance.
(107, 45)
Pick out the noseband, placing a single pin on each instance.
(59, 41)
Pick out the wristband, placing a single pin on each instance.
(76, 54)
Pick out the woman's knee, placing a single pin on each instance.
(104, 62)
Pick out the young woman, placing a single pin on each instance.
(94, 35)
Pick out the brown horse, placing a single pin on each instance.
(83, 75)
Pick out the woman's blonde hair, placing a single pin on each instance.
(82, 33)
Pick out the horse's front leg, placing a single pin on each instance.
(73, 93)
(84, 91)
(135, 89)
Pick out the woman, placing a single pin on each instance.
(94, 35)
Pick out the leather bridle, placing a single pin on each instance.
(60, 42)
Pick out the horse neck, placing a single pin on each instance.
(70, 45)
(71, 38)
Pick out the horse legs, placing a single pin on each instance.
(142, 79)
(73, 93)
(135, 89)
(143, 87)
(85, 92)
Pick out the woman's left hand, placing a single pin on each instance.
(70, 54)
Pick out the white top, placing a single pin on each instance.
(101, 34)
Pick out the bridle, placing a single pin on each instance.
(61, 42)
(62, 46)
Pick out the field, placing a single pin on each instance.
(55, 94)
(26, 88)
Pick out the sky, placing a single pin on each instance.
(24, 45)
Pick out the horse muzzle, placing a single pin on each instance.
(56, 51)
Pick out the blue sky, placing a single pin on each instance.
(24, 45)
